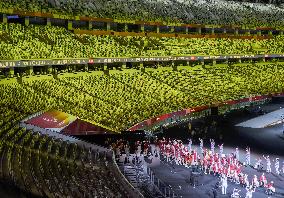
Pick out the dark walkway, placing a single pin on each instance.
(267, 141)
(178, 178)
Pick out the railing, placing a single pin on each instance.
(131, 190)
(147, 181)
(165, 189)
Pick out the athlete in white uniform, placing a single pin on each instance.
(221, 148)
(248, 156)
(250, 190)
(201, 145)
(268, 164)
(212, 144)
(189, 146)
(237, 154)
(277, 166)
(224, 184)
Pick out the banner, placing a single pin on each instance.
(28, 63)
(181, 58)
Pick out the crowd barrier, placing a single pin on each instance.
(166, 190)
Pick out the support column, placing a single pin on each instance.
(86, 67)
(70, 25)
(11, 72)
(158, 65)
(90, 25)
(142, 28)
(49, 69)
(202, 62)
(105, 66)
(172, 29)
(27, 21)
(227, 61)
(30, 70)
(186, 30)
(212, 31)
(225, 31)
(108, 26)
(174, 66)
(70, 68)
(240, 60)
(141, 67)
(48, 22)
(158, 29)
(106, 70)
(199, 30)
(125, 27)
(5, 19)
(214, 61)
(124, 65)
(236, 32)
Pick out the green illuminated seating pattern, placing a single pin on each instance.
(122, 99)
(182, 11)
(47, 42)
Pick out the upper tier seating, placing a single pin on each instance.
(219, 12)
(35, 42)
(120, 100)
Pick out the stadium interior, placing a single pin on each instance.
(92, 93)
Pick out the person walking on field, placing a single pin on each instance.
(224, 184)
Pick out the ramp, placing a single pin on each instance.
(263, 121)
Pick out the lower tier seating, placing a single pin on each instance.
(51, 167)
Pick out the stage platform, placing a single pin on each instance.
(263, 121)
